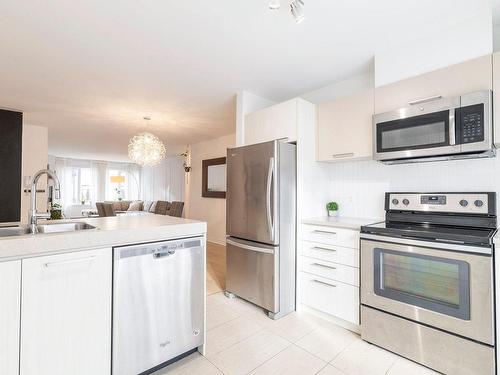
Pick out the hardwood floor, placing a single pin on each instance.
(216, 268)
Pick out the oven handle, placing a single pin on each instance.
(428, 244)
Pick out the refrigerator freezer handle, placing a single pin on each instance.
(270, 174)
(249, 247)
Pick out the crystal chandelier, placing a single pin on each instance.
(146, 149)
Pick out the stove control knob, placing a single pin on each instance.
(395, 202)
(478, 203)
(464, 203)
(406, 202)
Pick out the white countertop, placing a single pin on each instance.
(111, 231)
(354, 223)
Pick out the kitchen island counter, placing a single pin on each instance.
(109, 232)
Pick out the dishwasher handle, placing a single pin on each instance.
(163, 252)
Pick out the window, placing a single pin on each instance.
(81, 185)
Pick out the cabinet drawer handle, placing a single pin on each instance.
(345, 155)
(324, 232)
(323, 265)
(323, 249)
(425, 100)
(71, 261)
(323, 283)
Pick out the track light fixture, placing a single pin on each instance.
(296, 9)
(274, 4)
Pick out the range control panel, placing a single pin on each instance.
(476, 203)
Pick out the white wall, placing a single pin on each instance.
(211, 210)
(165, 181)
(465, 40)
(246, 103)
(35, 157)
(359, 187)
(339, 89)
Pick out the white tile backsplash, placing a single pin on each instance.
(359, 186)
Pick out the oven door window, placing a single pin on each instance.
(432, 283)
(419, 132)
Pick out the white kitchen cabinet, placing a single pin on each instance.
(328, 272)
(454, 80)
(345, 128)
(329, 296)
(10, 302)
(496, 98)
(278, 121)
(66, 314)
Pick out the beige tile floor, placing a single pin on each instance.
(241, 339)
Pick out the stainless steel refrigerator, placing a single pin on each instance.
(261, 225)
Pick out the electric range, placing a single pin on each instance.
(427, 280)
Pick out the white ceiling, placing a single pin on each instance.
(90, 70)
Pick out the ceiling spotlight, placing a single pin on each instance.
(296, 9)
(274, 4)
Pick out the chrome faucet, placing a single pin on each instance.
(33, 214)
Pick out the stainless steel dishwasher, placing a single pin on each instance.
(158, 303)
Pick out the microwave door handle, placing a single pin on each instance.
(453, 128)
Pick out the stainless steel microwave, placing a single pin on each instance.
(436, 128)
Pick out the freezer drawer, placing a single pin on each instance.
(158, 303)
(253, 272)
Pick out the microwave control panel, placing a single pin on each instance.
(471, 123)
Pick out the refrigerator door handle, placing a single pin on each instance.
(270, 174)
(249, 247)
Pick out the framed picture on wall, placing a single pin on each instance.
(214, 178)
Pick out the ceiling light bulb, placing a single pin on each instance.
(274, 4)
(296, 9)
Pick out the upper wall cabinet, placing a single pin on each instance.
(455, 80)
(496, 98)
(345, 128)
(11, 125)
(275, 122)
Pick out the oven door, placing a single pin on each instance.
(448, 290)
(426, 129)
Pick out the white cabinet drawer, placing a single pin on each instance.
(330, 253)
(331, 297)
(334, 271)
(330, 235)
(66, 314)
(10, 300)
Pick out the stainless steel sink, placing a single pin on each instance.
(45, 228)
(14, 231)
(63, 227)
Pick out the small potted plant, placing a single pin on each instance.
(55, 211)
(332, 208)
